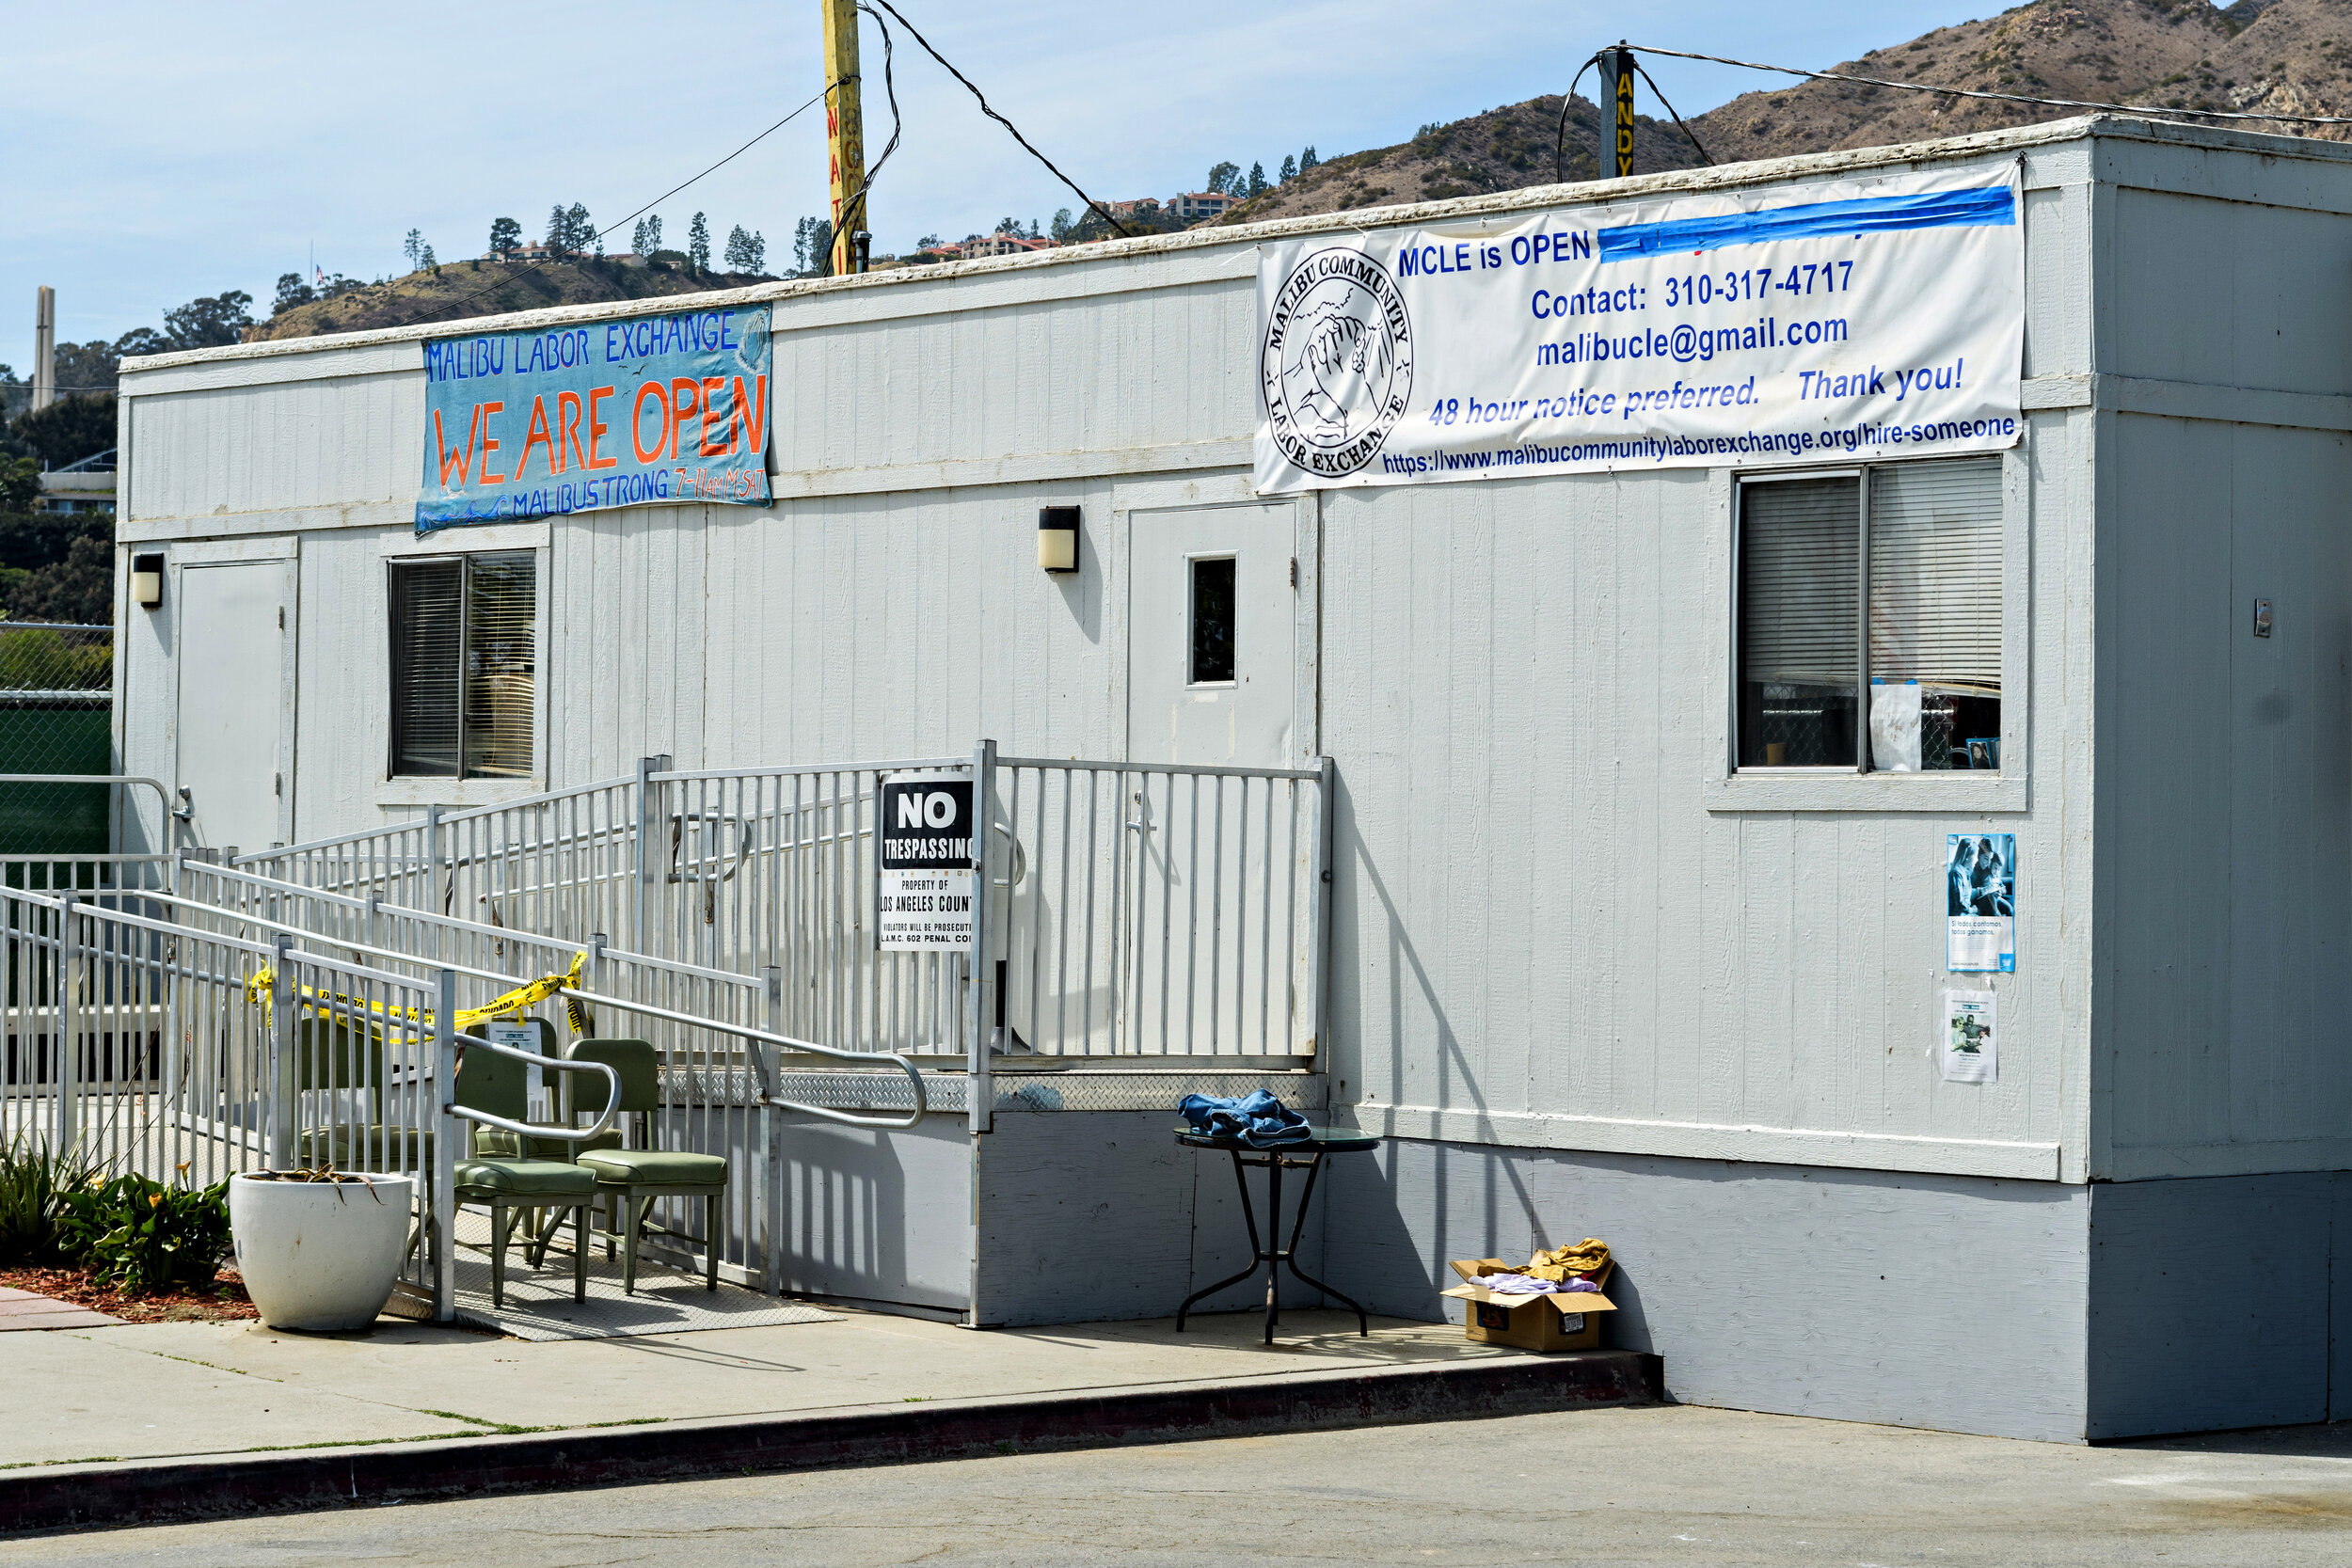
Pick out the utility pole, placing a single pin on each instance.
(44, 348)
(1621, 69)
(845, 133)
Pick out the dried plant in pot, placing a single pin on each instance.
(319, 1249)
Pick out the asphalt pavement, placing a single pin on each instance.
(1637, 1486)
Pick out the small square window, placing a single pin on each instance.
(1869, 635)
(1212, 615)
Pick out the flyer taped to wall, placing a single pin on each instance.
(1980, 903)
(1881, 316)
(1967, 1048)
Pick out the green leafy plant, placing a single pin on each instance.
(37, 1182)
(139, 1235)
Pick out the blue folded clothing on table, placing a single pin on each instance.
(1257, 1118)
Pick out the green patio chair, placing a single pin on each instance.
(630, 1180)
(511, 1182)
(334, 1055)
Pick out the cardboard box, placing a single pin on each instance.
(1551, 1322)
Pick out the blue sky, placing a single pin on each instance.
(150, 154)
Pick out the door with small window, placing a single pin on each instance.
(1868, 620)
(1214, 626)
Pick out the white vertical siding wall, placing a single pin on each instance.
(1551, 930)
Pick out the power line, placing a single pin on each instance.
(1670, 109)
(2002, 96)
(1000, 119)
(856, 207)
(614, 226)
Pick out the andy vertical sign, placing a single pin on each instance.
(671, 408)
(928, 846)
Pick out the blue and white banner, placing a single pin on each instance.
(661, 409)
(1877, 317)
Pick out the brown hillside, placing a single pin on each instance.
(2291, 56)
(463, 289)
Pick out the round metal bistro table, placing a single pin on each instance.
(1308, 1153)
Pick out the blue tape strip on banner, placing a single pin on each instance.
(1991, 205)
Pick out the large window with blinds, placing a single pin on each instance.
(1870, 618)
(465, 666)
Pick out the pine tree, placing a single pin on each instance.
(1062, 225)
(1289, 171)
(505, 235)
(739, 249)
(579, 233)
(758, 252)
(1308, 160)
(698, 244)
(412, 247)
(558, 229)
(429, 262)
(1257, 180)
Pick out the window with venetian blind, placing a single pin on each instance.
(1869, 636)
(465, 666)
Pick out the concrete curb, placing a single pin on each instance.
(171, 1490)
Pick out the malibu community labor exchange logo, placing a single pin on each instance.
(1337, 366)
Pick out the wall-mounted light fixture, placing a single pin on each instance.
(1057, 538)
(147, 581)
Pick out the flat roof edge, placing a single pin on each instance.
(1587, 193)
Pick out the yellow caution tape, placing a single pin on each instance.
(264, 979)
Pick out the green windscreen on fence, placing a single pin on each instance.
(57, 716)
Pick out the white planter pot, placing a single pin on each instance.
(317, 1255)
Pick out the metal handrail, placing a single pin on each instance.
(643, 1010)
(419, 824)
(532, 1130)
(402, 912)
(162, 796)
(684, 775)
(1068, 765)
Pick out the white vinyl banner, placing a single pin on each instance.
(1877, 317)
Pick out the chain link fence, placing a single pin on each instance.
(57, 716)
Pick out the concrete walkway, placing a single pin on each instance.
(142, 1420)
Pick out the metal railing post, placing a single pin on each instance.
(284, 1097)
(68, 1039)
(432, 899)
(981, 980)
(445, 1135)
(772, 1140)
(1319, 918)
(641, 862)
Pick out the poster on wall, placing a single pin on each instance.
(923, 903)
(1968, 1049)
(1881, 316)
(1980, 903)
(656, 409)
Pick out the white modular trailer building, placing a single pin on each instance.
(1598, 962)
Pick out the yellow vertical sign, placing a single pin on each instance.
(845, 132)
(1623, 62)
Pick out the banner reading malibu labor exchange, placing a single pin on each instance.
(1881, 317)
(666, 408)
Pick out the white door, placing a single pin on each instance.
(233, 717)
(1211, 638)
(1218, 899)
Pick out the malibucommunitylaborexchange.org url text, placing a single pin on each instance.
(1639, 448)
